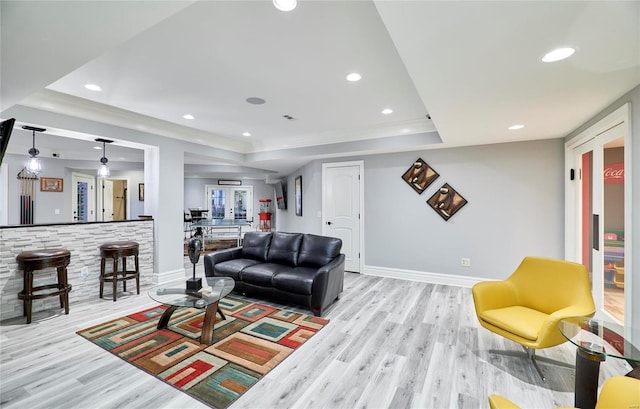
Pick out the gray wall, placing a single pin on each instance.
(310, 221)
(516, 208)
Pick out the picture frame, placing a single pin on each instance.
(51, 184)
(446, 201)
(141, 192)
(298, 195)
(420, 175)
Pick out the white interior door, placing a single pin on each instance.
(82, 198)
(106, 200)
(599, 215)
(342, 213)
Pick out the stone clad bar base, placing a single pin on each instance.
(83, 241)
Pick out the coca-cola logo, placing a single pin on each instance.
(614, 173)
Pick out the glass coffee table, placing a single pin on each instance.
(596, 340)
(174, 295)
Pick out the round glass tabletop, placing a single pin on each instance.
(599, 337)
(175, 292)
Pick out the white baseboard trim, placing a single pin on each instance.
(425, 277)
(166, 276)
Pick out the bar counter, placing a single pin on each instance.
(82, 240)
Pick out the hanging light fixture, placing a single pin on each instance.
(103, 169)
(33, 165)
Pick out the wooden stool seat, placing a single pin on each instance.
(119, 250)
(30, 261)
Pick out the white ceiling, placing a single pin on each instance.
(474, 67)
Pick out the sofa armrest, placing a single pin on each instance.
(210, 259)
(328, 283)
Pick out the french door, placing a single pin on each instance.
(602, 219)
(234, 203)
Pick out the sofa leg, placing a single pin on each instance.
(317, 312)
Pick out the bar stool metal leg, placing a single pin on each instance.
(28, 290)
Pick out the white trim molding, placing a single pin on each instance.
(164, 277)
(423, 276)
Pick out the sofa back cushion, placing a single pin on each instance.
(255, 245)
(316, 251)
(284, 248)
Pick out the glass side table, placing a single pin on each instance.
(596, 340)
(175, 295)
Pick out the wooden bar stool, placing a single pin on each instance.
(34, 260)
(116, 250)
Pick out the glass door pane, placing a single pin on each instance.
(218, 203)
(240, 200)
(82, 202)
(614, 234)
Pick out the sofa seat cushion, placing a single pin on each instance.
(232, 268)
(521, 321)
(297, 280)
(284, 248)
(262, 274)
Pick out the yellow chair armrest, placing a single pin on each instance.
(489, 295)
(498, 402)
(573, 311)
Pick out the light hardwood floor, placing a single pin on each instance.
(390, 344)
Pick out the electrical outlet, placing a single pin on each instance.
(465, 262)
(84, 273)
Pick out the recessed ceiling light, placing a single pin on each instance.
(93, 87)
(246, 134)
(255, 100)
(515, 127)
(558, 54)
(354, 76)
(387, 111)
(98, 148)
(285, 5)
(188, 116)
(405, 130)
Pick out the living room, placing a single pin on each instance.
(516, 207)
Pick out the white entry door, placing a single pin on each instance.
(342, 204)
(83, 198)
(105, 198)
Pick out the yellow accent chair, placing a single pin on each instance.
(618, 392)
(527, 307)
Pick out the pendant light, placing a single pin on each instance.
(103, 169)
(33, 165)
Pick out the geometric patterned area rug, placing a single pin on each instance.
(252, 340)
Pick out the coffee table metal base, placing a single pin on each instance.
(207, 326)
(587, 371)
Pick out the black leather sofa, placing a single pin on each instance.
(296, 268)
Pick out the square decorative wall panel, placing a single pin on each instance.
(446, 201)
(420, 175)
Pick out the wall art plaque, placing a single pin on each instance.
(420, 175)
(446, 201)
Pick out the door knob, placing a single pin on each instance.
(329, 223)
